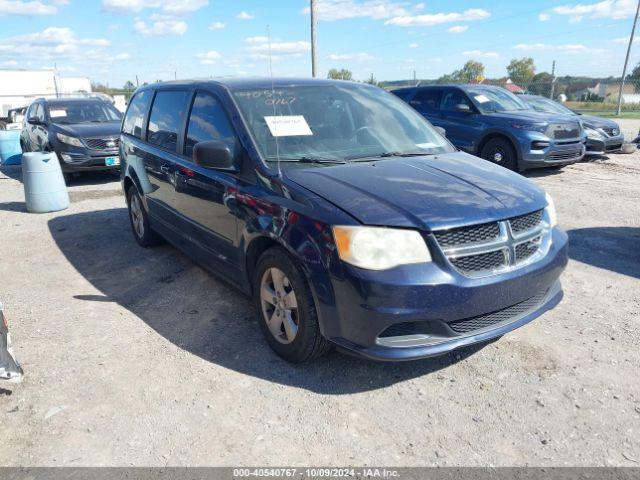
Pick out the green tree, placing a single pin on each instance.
(342, 74)
(129, 85)
(522, 70)
(541, 84)
(471, 70)
(634, 77)
(371, 80)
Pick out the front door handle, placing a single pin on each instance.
(165, 169)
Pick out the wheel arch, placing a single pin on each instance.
(500, 134)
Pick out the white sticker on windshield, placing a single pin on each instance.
(288, 126)
(426, 145)
(482, 99)
(57, 113)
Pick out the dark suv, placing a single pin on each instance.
(84, 133)
(495, 124)
(345, 215)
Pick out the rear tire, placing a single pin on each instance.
(139, 220)
(285, 308)
(501, 152)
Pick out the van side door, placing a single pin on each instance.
(206, 197)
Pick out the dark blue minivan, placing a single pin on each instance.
(344, 214)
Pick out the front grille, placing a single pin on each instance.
(487, 320)
(400, 330)
(525, 222)
(564, 155)
(612, 132)
(490, 247)
(102, 143)
(467, 235)
(527, 249)
(563, 130)
(480, 263)
(614, 147)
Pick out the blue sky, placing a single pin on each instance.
(112, 41)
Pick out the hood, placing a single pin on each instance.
(534, 116)
(598, 122)
(88, 130)
(427, 193)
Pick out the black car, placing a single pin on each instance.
(603, 135)
(83, 132)
(9, 367)
(349, 219)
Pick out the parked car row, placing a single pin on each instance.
(517, 132)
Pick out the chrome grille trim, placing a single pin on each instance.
(507, 242)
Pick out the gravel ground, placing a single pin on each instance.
(139, 357)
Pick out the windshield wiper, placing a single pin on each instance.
(305, 159)
(391, 154)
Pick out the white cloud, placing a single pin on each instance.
(576, 48)
(22, 7)
(429, 20)
(160, 26)
(544, 17)
(175, 7)
(480, 54)
(54, 44)
(217, 25)
(256, 40)
(413, 45)
(624, 40)
(209, 57)
(358, 57)
(122, 56)
(261, 45)
(245, 15)
(458, 29)
(616, 9)
(332, 10)
(9, 63)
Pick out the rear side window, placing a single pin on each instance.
(166, 116)
(427, 100)
(39, 112)
(208, 121)
(134, 118)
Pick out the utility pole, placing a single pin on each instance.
(313, 37)
(626, 60)
(414, 77)
(553, 79)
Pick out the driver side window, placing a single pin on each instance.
(452, 98)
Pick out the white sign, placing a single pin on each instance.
(57, 113)
(482, 99)
(288, 126)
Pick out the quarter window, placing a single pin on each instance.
(208, 121)
(134, 118)
(167, 113)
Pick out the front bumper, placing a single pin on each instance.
(433, 297)
(84, 162)
(605, 145)
(540, 151)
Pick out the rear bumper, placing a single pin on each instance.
(436, 299)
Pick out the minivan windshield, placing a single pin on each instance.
(83, 112)
(546, 105)
(490, 100)
(335, 123)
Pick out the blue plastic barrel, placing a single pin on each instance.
(44, 187)
(10, 151)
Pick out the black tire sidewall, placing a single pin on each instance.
(308, 342)
(147, 239)
(510, 158)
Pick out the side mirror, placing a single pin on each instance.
(441, 131)
(213, 154)
(462, 107)
(33, 121)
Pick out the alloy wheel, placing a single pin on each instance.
(137, 218)
(279, 305)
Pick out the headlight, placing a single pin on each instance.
(533, 127)
(377, 248)
(551, 210)
(76, 142)
(592, 133)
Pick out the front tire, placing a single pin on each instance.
(285, 308)
(501, 152)
(139, 220)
